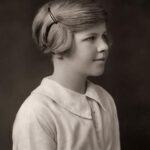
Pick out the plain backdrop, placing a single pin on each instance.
(127, 74)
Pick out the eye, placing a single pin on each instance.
(90, 38)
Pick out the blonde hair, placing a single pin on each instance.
(71, 15)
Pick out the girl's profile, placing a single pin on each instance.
(67, 111)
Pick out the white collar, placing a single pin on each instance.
(73, 101)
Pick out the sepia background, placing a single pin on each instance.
(127, 74)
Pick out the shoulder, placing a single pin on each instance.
(35, 110)
(33, 119)
(36, 104)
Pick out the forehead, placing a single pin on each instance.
(98, 29)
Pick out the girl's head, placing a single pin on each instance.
(57, 21)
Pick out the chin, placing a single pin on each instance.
(97, 73)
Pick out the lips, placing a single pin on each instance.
(100, 59)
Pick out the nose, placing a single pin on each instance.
(102, 46)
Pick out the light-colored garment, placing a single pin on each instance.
(56, 118)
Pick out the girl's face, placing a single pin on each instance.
(89, 51)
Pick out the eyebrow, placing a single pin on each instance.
(95, 33)
(91, 34)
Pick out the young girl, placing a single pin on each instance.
(67, 111)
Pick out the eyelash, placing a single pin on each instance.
(91, 38)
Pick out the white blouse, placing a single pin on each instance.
(56, 118)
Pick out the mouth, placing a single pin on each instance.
(100, 59)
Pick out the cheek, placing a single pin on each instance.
(86, 58)
(84, 53)
(89, 55)
(88, 51)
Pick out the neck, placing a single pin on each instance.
(70, 79)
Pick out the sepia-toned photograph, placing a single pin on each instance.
(75, 75)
